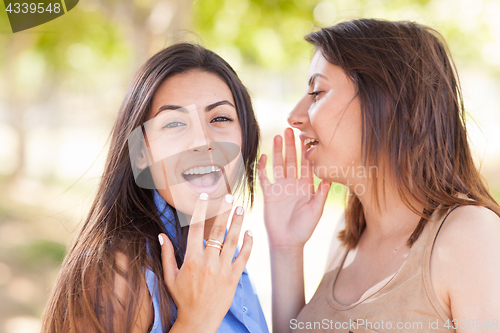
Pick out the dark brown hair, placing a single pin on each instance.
(124, 218)
(413, 118)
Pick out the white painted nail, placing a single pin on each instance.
(249, 233)
(229, 198)
(160, 239)
(203, 196)
(239, 210)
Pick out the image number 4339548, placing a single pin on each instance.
(26, 14)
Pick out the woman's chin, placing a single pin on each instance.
(322, 173)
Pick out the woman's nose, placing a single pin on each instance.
(199, 134)
(299, 116)
(200, 141)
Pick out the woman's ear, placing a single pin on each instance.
(140, 154)
(142, 159)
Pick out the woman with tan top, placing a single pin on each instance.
(420, 245)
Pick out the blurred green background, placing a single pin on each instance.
(61, 85)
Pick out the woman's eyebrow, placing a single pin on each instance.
(314, 76)
(208, 108)
(171, 107)
(216, 104)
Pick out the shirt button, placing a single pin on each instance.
(244, 309)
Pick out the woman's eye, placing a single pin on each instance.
(220, 119)
(315, 94)
(174, 124)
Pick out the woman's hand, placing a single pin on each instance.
(203, 288)
(292, 208)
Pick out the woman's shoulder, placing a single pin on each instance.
(466, 256)
(469, 232)
(471, 222)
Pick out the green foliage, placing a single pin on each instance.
(270, 33)
(92, 31)
(80, 34)
(5, 31)
(42, 252)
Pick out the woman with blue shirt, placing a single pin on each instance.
(154, 254)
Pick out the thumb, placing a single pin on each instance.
(319, 198)
(169, 264)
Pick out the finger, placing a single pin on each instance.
(278, 170)
(319, 198)
(170, 269)
(305, 165)
(233, 235)
(241, 260)
(290, 154)
(218, 230)
(197, 226)
(262, 174)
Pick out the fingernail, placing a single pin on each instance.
(160, 239)
(239, 210)
(203, 196)
(229, 198)
(249, 233)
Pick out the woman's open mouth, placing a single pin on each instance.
(203, 176)
(310, 144)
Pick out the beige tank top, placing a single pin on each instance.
(406, 302)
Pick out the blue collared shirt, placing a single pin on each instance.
(245, 314)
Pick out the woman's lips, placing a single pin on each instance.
(308, 151)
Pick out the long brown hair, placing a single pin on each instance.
(124, 218)
(413, 117)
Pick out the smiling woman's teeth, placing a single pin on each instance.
(202, 170)
(203, 176)
(310, 142)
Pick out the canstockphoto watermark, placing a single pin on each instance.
(26, 14)
(347, 173)
(334, 171)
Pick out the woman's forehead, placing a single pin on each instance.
(193, 87)
(319, 64)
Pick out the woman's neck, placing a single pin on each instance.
(393, 219)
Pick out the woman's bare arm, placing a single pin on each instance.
(292, 209)
(287, 272)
